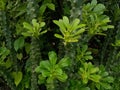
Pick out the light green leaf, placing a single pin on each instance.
(61, 26)
(66, 22)
(58, 72)
(19, 43)
(79, 32)
(35, 25)
(94, 70)
(74, 25)
(81, 26)
(95, 78)
(27, 26)
(43, 32)
(51, 6)
(59, 36)
(52, 57)
(17, 77)
(85, 80)
(88, 57)
(88, 53)
(42, 24)
(26, 34)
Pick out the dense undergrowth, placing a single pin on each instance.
(59, 44)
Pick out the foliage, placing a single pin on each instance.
(50, 70)
(70, 31)
(34, 30)
(52, 44)
(93, 16)
(83, 54)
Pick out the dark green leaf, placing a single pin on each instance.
(64, 62)
(19, 43)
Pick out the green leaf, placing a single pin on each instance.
(58, 71)
(52, 57)
(94, 2)
(42, 24)
(19, 43)
(27, 26)
(109, 79)
(42, 9)
(17, 77)
(35, 24)
(51, 6)
(3, 53)
(50, 80)
(66, 22)
(2, 4)
(41, 79)
(43, 32)
(45, 73)
(59, 36)
(74, 25)
(64, 62)
(105, 85)
(61, 26)
(94, 70)
(95, 78)
(19, 56)
(8, 63)
(45, 65)
(26, 34)
(62, 77)
(99, 8)
(85, 80)
(37, 69)
(27, 47)
(79, 32)
(85, 88)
